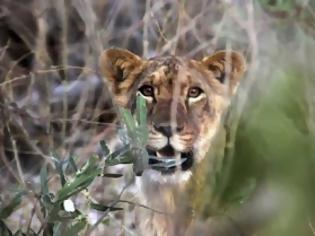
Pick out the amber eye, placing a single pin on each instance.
(194, 92)
(147, 90)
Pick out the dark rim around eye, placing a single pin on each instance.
(146, 90)
(194, 92)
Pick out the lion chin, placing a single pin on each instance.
(158, 177)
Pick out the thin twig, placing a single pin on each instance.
(146, 29)
(109, 207)
(16, 157)
(144, 206)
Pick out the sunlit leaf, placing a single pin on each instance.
(120, 156)
(82, 180)
(141, 111)
(128, 120)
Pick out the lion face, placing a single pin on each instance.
(185, 98)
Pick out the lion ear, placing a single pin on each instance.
(228, 67)
(117, 64)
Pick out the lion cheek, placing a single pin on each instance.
(179, 144)
(205, 138)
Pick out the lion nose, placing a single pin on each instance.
(167, 130)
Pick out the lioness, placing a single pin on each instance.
(185, 101)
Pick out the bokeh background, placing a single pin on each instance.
(55, 108)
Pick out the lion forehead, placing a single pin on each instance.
(170, 70)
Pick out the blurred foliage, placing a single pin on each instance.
(283, 5)
(275, 148)
(62, 221)
(274, 143)
(6, 210)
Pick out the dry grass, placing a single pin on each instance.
(52, 98)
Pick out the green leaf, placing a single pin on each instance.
(71, 163)
(59, 165)
(120, 156)
(141, 111)
(44, 180)
(81, 181)
(128, 120)
(104, 147)
(126, 159)
(6, 211)
(142, 131)
(46, 202)
(101, 207)
(279, 5)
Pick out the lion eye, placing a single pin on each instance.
(194, 92)
(147, 90)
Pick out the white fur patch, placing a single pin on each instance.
(157, 141)
(197, 99)
(178, 177)
(177, 144)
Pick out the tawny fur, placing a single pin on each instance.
(194, 121)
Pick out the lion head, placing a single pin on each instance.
(185, 98)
